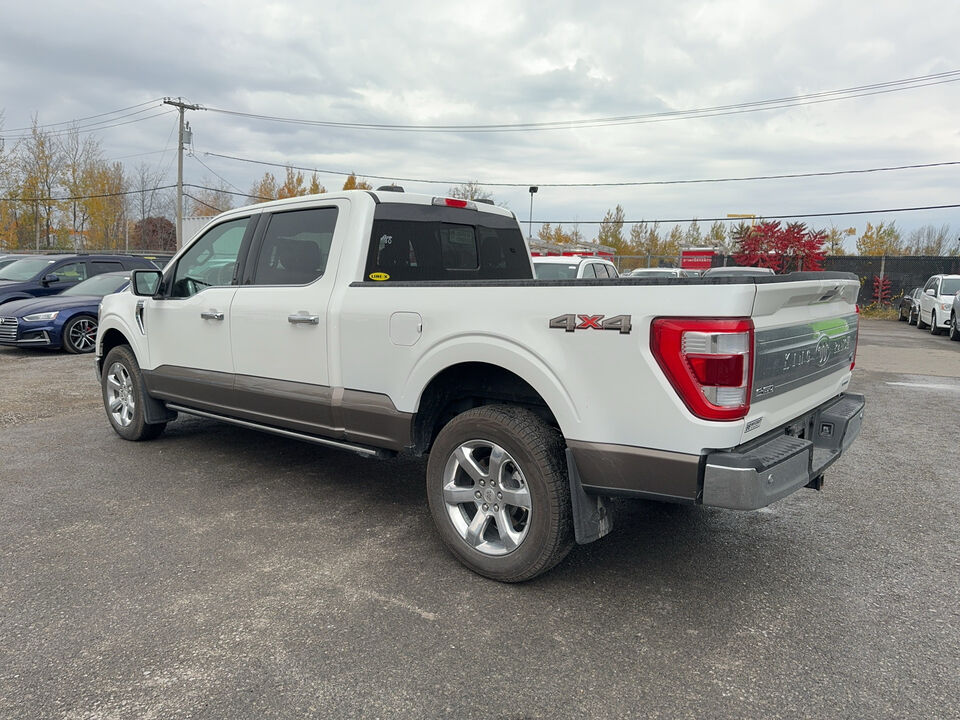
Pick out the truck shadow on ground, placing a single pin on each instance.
(652, 543)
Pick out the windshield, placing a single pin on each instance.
(555, 271)
(99, 285)
(25, 269)
(950, 286)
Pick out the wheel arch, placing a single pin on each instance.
(110, 339)
(473, 375)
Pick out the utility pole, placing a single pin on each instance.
(533, 190)
(181, 106)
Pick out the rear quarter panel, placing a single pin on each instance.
(602, 385)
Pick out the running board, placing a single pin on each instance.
(362, 450)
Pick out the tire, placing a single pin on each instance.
(954, 327)
(80, 334)
(123, 396)
(494, 537)
(912, 320)
(921, 325)
(900, 316)
(934, 328)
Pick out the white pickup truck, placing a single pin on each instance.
(384, 322)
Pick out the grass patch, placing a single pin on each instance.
(879, 311)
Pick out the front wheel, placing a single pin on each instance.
(80, 334)
(934, 328)
(124, 396)
(921, 325)
(499, 494)
(954, 327)
(912, 320)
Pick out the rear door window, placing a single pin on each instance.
(422, 243)
(102, 266)
(295, 247)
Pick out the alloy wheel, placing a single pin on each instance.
(120, 396)
(486, 497)
(83, 334)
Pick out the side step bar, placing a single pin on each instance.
(361, 450)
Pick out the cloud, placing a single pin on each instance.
(495, 62)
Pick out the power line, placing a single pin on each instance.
(84, 197)
(88, 117)
(759, 218)
(96, 126)
(127, 192)
(713, 111)
(791, 216)
(198, 200)
(220, 177)
(624, 183)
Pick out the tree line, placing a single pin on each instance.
(652, 240)
(58, 191)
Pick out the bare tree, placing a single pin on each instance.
(930, 240)
(81, 156)
(208, 200)
(41, 166)
(471, 190)
(147, 198)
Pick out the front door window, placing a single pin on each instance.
(211, 261)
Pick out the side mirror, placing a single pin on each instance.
(50, 278)
(931, 292)
(145, 282)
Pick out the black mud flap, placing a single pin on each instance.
(592, 518)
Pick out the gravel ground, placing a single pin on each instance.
(217, 572)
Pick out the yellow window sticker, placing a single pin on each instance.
(379, 276)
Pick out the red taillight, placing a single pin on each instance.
(709, 363)
(856, 341)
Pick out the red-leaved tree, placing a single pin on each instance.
(783, 249)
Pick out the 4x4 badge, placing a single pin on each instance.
(571, 323)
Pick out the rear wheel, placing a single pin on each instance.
(124, 397)
(499, 494)
(80, 334)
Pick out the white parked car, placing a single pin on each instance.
(575, 267)
(936, 302)
(658, 272)
(955, 318)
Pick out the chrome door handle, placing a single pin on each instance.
(211, 315)
(304, 319)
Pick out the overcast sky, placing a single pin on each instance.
(418, 62)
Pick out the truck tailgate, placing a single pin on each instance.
(805, 341)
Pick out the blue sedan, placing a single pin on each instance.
(67, 320)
